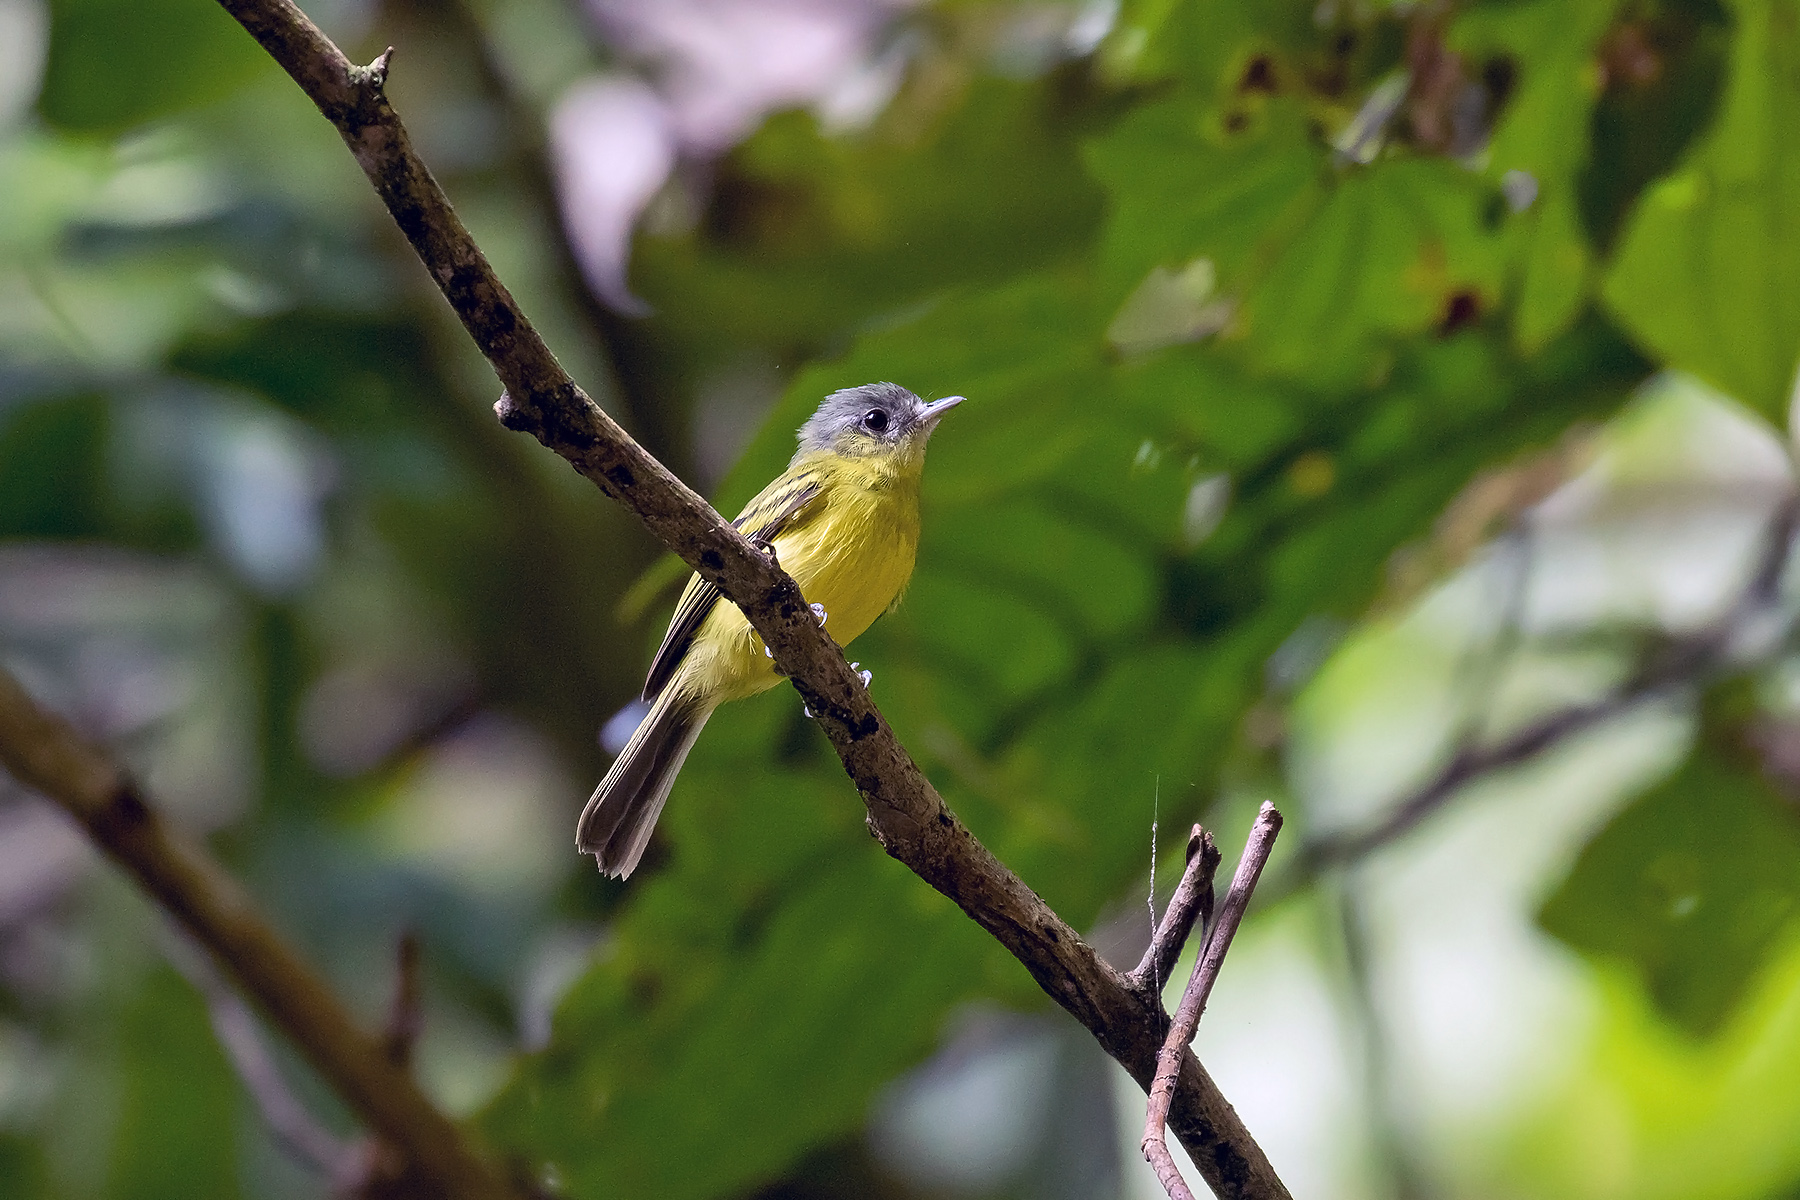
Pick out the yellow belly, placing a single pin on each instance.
(853, 559)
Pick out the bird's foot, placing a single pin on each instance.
(866, 676)
(768, 549)
(818, 612)
(770, 654)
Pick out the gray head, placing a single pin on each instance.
(871, 419)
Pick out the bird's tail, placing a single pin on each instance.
(615, 826)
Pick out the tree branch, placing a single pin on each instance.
(1681, 662)
(365, 1169)
(1193, 999)
(905, 813)
(44, 754)
(1191, 904)
(405, 1020)
(295, 1128)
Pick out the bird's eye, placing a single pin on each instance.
(875, 420)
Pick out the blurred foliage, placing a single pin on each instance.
(162, 1149)
(1691, 884)
(113, 64)
(1705, 271)
(1238, 318)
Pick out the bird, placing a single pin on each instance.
(843, 520)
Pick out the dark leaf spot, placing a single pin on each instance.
(1499, 76)
(1259, 76)
(1493, 212)
(1629, 58)
(1462, 309)
(645, 987)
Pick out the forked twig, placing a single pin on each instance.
(1193, 999)
(1192, 904)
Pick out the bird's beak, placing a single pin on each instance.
(935, 410)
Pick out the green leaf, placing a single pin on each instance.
(775, 922)
(117, 63)
(1396, 249)
(1202, 44)
(1542, 133)
(1557, 276)
(1707, 276)
(22, 1171)
(808, 236)
(1691, 885)
(53, 468)
(178, 1108)
(1213, 191)
(1327, 265)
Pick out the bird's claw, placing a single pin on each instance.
(818, 612)
(807, 711)
(768, 549)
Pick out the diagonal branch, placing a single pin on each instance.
(1193, 999)
(295, 1128)
(405, 1020)
(365, 1169)
(905, 813)
(1682, 662)
(42, 752)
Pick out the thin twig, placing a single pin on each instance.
(1192, 904)
(43, 753)
(1482, 667)
(1681, 662)
(1198, 991)
(365, 1169)
(905, 812)
(405, 1019)
(293, 1126)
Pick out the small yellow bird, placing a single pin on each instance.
(844, 522)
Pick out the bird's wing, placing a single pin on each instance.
(775, 509)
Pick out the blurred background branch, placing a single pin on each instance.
(316, 1147)
(1750, 629)
(44, 753)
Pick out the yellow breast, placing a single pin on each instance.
(851, 553)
